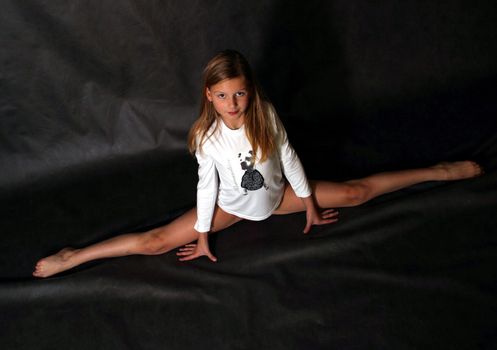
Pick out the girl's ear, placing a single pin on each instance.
(208, 94)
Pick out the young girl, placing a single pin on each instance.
(247, 170)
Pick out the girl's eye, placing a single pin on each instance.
(240, 93)
(220, 95)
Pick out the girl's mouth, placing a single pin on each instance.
(233, 113)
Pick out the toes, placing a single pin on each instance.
(38, 269)
(478, 169)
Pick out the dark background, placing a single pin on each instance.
(96, 99)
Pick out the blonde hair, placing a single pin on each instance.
(230, 64)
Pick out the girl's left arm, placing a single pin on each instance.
(194, 250)
(294, 172)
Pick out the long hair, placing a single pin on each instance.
(231, 64)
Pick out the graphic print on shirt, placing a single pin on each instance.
(252, 180)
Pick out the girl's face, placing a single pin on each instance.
(230, 98)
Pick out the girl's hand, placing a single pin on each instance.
(193, 251)
(314, 217)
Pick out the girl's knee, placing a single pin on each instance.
(356, 192)
(153, 243)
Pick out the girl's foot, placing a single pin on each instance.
(459, 170)
(53, 264)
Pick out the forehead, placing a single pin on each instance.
(231, 84)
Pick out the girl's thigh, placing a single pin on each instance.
(222, 219)
(185, 222)
(326, 193)
(180, 231)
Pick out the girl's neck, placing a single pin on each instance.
(233, 125)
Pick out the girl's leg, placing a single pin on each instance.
(156, 241)
(355, 192)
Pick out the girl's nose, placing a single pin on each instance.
(233, 101)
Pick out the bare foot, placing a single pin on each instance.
(53, 264)
(459, 170)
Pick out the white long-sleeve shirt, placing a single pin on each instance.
(228, 173)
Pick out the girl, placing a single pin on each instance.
(243, 152)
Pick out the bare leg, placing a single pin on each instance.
(156, 241)
(355, 192)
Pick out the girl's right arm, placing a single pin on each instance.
(207, 189)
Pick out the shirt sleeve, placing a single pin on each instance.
(290, 162)
(207, 188)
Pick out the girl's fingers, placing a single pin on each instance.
(189, 257)
(330, 211)
(328, 221)
(184, 253)
(212, 257)
(307, 228)
(186, 249)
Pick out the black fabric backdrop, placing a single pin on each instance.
(96, 98)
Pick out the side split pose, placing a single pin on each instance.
(247, 170)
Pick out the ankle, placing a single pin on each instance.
(67, 255)
(440, 172)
